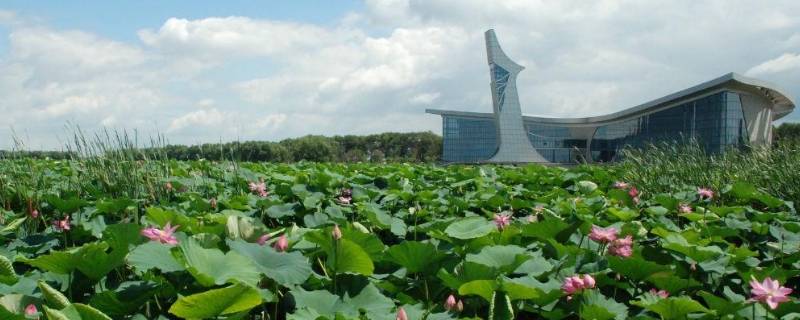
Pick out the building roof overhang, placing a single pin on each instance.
(783, 104)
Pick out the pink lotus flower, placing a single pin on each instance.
(621, 185)
(572, 285)
(684, 208)
(502, 220)
(633, 192)
(588, 281)
(31, 310)
(705, 194)
(262, 239)
(621, 247)
(450, 303)
(401, 314)
(259, 189)
(165, 236)
(34, 214)
(62, 225)
(603, 235)
(577, 283)
(769, 291)
(213, 203)
(459, 306)
(660, 293)
(336, 233)
(282, 244)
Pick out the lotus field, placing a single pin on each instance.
(101, 239)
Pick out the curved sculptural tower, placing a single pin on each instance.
(513, 143)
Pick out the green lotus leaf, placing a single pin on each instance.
(369, 301)
(281, 210)
(212, 303)
(53, 297)
(61, 262)
(7, 274)
(414, 256)
(676, 307)
(89, 313)
(482, 288)
(154, 255)
(599, 307)
(212, 267)
(470, 228)
(500, 308)
(544, 229)
(286, 268)
(635, 267)
(505, 258)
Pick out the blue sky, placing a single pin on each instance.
(207, 71)
(117, 19)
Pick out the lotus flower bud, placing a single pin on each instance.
(450, 303)
(282, 244)
(401, 314)
(336, 233)
(588, 281)
(263, 239)
(31, 310)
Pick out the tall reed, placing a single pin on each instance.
(662, 167)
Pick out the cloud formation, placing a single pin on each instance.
(376, 70)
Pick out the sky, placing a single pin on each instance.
(211, 71)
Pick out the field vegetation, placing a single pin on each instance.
(118, 232)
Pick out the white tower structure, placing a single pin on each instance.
(513, 143)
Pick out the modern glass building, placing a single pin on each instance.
(731, 110)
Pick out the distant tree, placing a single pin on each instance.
(312, 148)
(400, 147)
(355, 155)
(787, 132)
(377, 156)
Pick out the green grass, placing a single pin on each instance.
(662, 167)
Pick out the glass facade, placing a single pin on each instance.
(468, 139)
(715, 121)
(500, 77)
(555, 143)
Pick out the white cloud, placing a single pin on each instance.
(7, 17)
(425, 98)
(203, 118)
(206, 103)
(239, 36)
(52, 77)
(273, 121)
(786, 62)
(72, 53)
(377, 69)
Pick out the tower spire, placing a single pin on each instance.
(514, 145)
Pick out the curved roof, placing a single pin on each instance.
(782, 102)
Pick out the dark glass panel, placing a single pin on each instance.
(468, 139)
(715, 121)
(555, 143)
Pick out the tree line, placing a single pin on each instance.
(787, 132)
(394, 147)
(391, 147)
